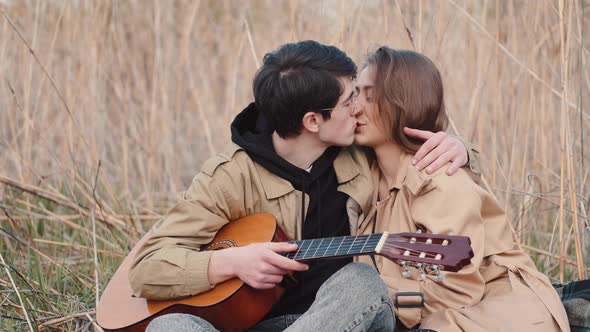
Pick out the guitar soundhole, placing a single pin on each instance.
(224, 244)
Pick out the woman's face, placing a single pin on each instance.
(368, 131)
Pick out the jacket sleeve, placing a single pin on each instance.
(473, 162)
(453, 204)
(170, 264)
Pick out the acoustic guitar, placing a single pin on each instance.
(235, 306)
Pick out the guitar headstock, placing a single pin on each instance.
(428, 252)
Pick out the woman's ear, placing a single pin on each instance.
(311, 122)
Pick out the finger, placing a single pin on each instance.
(272, 279)
(431, 157)
(286, 263)
(262, 285)
(417, 133)
(442, 160)
(271, 269)
(426, 148)
(281, 246)
(457, 163)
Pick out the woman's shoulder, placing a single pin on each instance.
(420, 182)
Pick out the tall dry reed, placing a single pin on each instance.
(108, 108)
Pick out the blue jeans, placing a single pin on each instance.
(353, 299)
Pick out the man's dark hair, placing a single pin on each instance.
(298, 78)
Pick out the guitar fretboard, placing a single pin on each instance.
(330, 247)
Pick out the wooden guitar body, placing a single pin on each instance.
(235, 306)
(228, 306)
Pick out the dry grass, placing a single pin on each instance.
(108, 108)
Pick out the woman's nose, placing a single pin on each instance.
(357, 108)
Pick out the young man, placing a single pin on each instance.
(289, 157)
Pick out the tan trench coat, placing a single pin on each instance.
(500, 291)
(229, 186)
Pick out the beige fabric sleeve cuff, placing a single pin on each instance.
(195, 277)
(473, 161)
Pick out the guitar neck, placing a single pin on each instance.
(335, 247)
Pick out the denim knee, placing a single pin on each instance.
(180, 323)
(362, 279)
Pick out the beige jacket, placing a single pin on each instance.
(229, 186)
(501, 290)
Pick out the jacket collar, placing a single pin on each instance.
(407, 175)
(347, 166)
(354, 176)
(274, 186)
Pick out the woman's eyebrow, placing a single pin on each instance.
(363, 87)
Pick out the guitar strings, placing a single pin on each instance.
(402, 249)
(352, 243)
(400, 239)
(348, 243)
(332, 251)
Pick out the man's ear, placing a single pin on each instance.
(311, 122)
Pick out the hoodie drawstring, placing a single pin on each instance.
(302, 205)
(319, 202)
(302, 278)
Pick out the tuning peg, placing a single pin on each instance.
(419, 231)
(422, 274)
(406, 273)
(439, 277)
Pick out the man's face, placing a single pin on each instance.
(339, 129)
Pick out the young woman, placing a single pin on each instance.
(501, 290)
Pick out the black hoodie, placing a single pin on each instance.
(326, 214)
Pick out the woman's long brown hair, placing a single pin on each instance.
(408, 91)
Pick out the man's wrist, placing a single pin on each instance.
(221, 266)
(472, 155)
